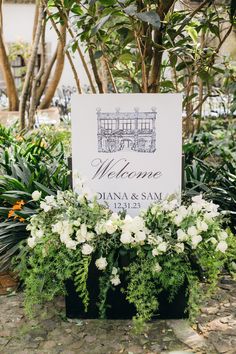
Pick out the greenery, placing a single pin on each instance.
(27, 162)
(167, 246)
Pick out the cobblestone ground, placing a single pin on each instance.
(50, 332)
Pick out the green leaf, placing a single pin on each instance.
(131, 10)
(150, 17)
(193, 33)
(100, 24)
(125, 58)
(76, 9)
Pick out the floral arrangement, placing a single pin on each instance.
(167, 245)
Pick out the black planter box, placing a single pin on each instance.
(119, 307)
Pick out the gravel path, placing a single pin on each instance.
(52, 333)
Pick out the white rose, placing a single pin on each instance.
(178, 219)
(31, 242)
(71, 244)
(155, 252)
(36, 195)
(90, 236)
(86, 249)
(179, 247)
(181, 235)
(157, 268)
(100, 228)
(222, 246)
(115, 280)
(162, 247)
(195, 240)
(101, 263)
(126, 237)
(192, 231)
(202, 225)
(110, 227)
(79, 237)
(140, 236)
(222, 235)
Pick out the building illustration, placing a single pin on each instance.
(128, 131)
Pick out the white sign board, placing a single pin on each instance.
(128, 147)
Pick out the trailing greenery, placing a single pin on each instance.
(167, 248)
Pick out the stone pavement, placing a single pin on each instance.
(214, 331)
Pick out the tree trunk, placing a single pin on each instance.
(6, 71)
(36, 80)
(30, 68)
(50, 92)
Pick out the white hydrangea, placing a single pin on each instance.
(36, 195)
(48, 203)
(126, 238)
(101, 263)
(222, 246)
(87, 249)
(31, 242)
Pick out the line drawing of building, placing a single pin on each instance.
(126, 131)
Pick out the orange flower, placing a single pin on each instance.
(16, 207)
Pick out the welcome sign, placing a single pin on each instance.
(128, 147)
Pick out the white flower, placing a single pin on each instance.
(114, 271)
(90, 235)
(77, 222)
(154, 209)
(110, 227)
(162, 247)
(195, 240)
(86, 249)
(181, 235)
(50, 200)
(192, 231)
(179, 247)
(140, 236)
(178, 219)
(100, 227)
(155, 252)
(126, 238)
(70, 244)
(157, 268)
(115, 280)
(222, 246)
(101, 263)
(222, 236)
(36, 195)
(202, 225)
(58, 227)
(198, 199)
(31, 242)
(45, 207)
(39, 233)
(209, 216)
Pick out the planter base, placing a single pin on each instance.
(119, 308)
